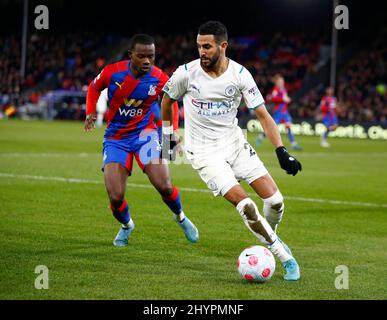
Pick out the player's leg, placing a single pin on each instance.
(117, 165)
(148, 158)
(286, 119)
(220, 179)
(262, 230)
(273, 209)
(115, 176)
(249, 167)
(323, 141)
(288, 124)
(158, 174)
(260, 138)
(331, 126)
(273, 201)
(330, 123)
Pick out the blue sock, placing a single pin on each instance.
(291, 136)
(173, 201)
(122, 213)
(325, 135)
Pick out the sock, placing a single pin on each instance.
(325, 135)
(255, 222)
(278, 249)
(291, 136)
(122, 213)
(173, 202)
(273, 208)
(261, 229)
(180, 217)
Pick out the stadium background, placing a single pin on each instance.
(288, 37)
(50, 170)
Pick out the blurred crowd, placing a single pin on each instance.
(71, 61)
(361, 87)
(68, 61)
(291, 55)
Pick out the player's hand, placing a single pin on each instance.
(287, 162)
(90, 121)
(170, 146)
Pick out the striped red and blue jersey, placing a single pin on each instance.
(129, 99)
(277, 96)
(328, 106)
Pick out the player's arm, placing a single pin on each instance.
(269, 126)
(175, 87)
(93, 92)
(175, 118)
(287, 162)
(174, 121)
(167, 113)
(254, 100)
(169, 139)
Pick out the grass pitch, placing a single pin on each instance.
(54, 212)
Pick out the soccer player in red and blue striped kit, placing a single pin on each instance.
(134, 88)
(328, 110)
(280, 98)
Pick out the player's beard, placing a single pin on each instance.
(213, 61)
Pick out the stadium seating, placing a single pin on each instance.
(69, 62)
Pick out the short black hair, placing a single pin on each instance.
(215, 28)
(141, 38)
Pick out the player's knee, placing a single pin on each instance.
(116, 199)
(116, 203)
(275, 202)
(165, 189)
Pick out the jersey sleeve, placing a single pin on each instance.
(250, 92)
(94, 90)
(176, 86)
(102, 80)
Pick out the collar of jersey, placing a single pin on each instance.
(228, 67)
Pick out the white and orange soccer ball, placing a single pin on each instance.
(256, 264)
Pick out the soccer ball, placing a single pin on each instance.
(256, 264)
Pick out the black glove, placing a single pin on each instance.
(287, 162)
(168, 147)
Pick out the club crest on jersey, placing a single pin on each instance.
(230, 91)
(212, 185)
(152, 90)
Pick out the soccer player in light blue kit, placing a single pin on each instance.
(134, 87)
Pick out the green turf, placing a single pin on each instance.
(67, 226)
